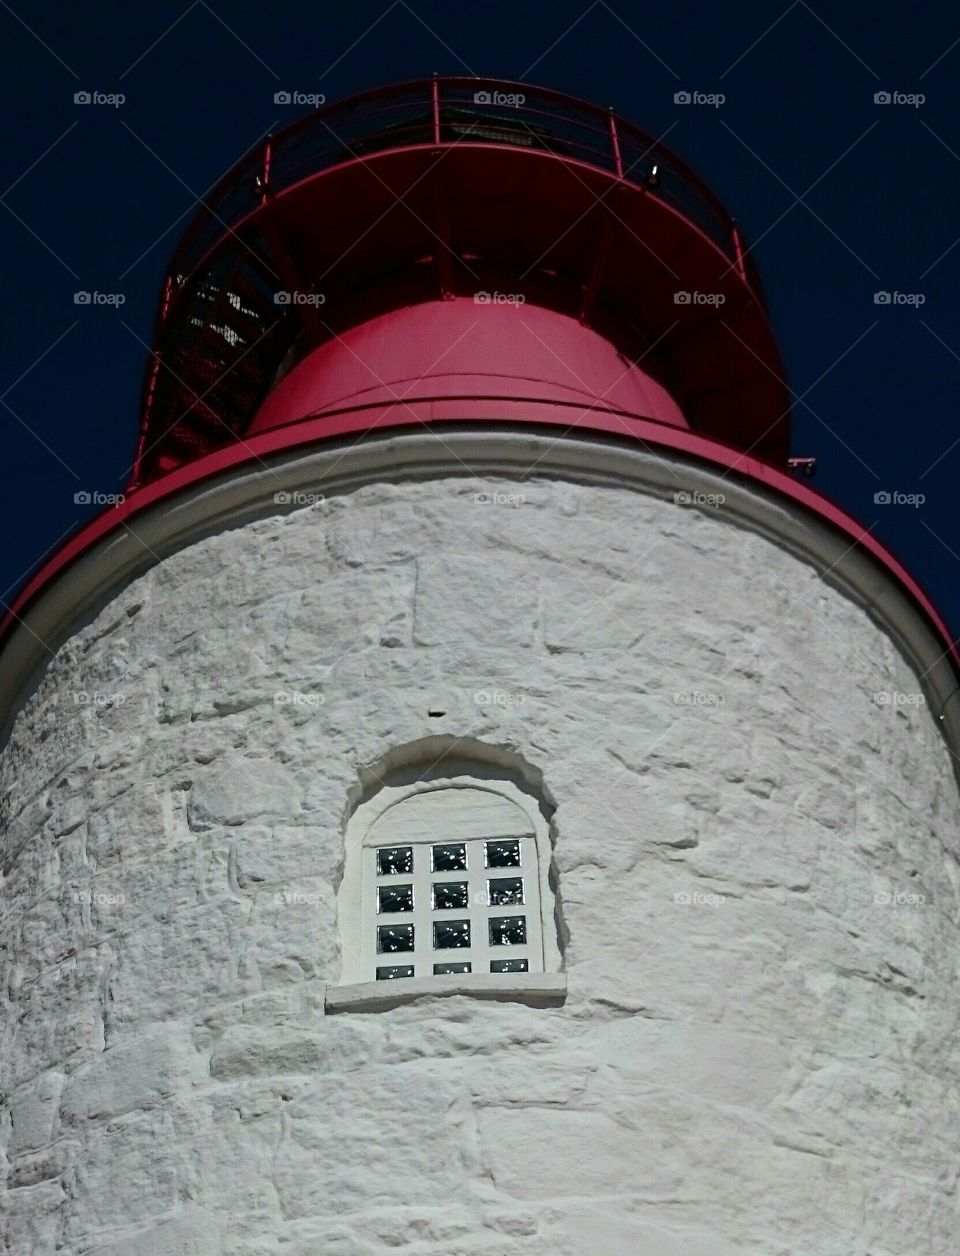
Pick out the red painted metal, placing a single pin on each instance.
(168, 287)
(265, 177)
(380, 199)
(738, 250)
(435, 100)
(445, 350)
(615, 143)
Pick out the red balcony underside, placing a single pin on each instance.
(427, 359)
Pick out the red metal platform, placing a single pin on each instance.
(422, 192)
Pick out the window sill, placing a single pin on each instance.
(534, 989)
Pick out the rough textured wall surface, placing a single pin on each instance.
(758, 870)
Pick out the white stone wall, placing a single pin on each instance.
(757, 1056)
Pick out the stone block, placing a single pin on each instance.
(138, 1073)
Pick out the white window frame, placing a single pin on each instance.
(369, 830)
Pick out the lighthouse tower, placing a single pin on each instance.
(471, 797)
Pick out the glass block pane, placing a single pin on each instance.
(508, 930)
(445, 970)
(503, 854)
(509, 965)
(398, 970)
(447, 894)
(505, 891)
(394, 938)
(394, 898)
(395, 861)
(450, 933)
(450, 858)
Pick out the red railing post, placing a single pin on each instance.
(436, 110)
(166, 299)
(615, 141)
(265, 176)
(738, 250)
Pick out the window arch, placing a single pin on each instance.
(448, 880)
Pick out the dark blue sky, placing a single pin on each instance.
(842, 197)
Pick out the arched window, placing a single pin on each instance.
(447, 888)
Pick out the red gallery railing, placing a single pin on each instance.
(447, 111)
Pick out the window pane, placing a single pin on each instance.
(503, 854)
(394, 938)
(447, 894)
(508, 930)
(449, 858)
(450, 933)
(509, 966)
(505, 891)
(398, 970)
(444, 970)
(395, 861)
(394, 898)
